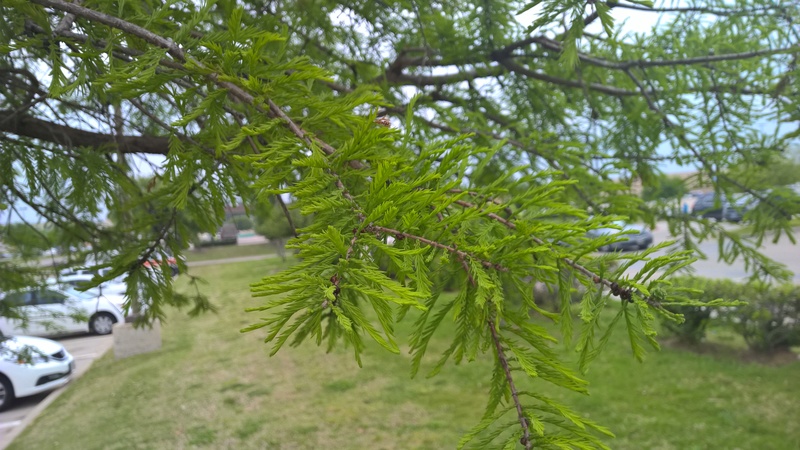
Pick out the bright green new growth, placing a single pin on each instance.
(494, 190)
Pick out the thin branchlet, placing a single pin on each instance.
(460, 254)
(501, 356)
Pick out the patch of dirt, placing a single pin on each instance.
(776, 358)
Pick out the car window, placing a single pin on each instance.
(80, 295)
(19, 298)
(48, 297)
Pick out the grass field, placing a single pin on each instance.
(228, 251)
(212, 387)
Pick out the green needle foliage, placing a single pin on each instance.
(426, 144)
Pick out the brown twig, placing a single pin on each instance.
(614, 287)
(523, 421)
(352, 245)
(462, 255)
(287, 215)
(66, 23)
(624, 65)
(494, 200)
(693, 9)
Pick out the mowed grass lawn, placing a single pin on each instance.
(213, 387)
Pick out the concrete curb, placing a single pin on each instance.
(8, 439)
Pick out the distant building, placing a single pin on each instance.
(235, 211)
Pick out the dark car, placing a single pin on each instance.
(632, 237)
(712, 206)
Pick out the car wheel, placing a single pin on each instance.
(6, 393)
(102, 323)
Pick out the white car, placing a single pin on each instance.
(113, 287)
(54, 310)
(30, 366)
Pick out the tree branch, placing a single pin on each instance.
(622, 65)
(617, 290)
(700, 9)
(28, 126)
(605, 89)
(501, 356)
(66, 23)
(400, 78)
(462, 255)
(115, 22)
(287, 215)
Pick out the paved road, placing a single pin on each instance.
(85, 349)
(783, 251)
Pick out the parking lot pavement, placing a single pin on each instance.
(85, 349)
(782, 251)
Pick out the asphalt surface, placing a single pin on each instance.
(783, 252)
(85, 349)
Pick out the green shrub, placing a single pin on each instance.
(771, 319)
(697, 318)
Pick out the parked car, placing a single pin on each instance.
(631, 237)
(30, 366)
(712, 206)
(171, 261)
(54, 310)
(93, 261)
(112, 287)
